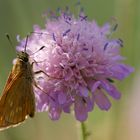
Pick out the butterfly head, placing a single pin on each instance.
(23, 56)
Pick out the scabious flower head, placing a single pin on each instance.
(79, 62)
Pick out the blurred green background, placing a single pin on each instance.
(122, 121)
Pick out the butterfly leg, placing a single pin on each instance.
(50, 77)
(35, 84)
(41, 71)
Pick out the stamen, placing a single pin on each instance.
(120, 42)
(58, 10)
(67, 8)
(66, 32)
(85, 49)
(105, 46)
(67, 18)
(78, 3)
(83, 17)
(54, 37)
(92, 49)
(110, 80)
(115, 27)
(64, 15)
(82, 10)
(78, 36)
(67, 22)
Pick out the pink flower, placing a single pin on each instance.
(81, 62)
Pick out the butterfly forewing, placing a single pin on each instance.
(17, 101)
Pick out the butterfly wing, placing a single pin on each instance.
(17, 101)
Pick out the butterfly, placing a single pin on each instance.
(18, 100)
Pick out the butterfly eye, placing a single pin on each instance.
(25, 59)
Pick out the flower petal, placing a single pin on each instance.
(54, 113)
(80, 110)
(110, 89)
(61, 98)
(102, 101)
(121, 71)
(84, 91)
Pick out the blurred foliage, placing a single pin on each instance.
(19, 16)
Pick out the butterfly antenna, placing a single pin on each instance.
(26, 43)
(9, 39)
(38, 50)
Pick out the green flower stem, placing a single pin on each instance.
(83, 130)
(83, 133)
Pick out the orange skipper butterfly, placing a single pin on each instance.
(18, 100)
